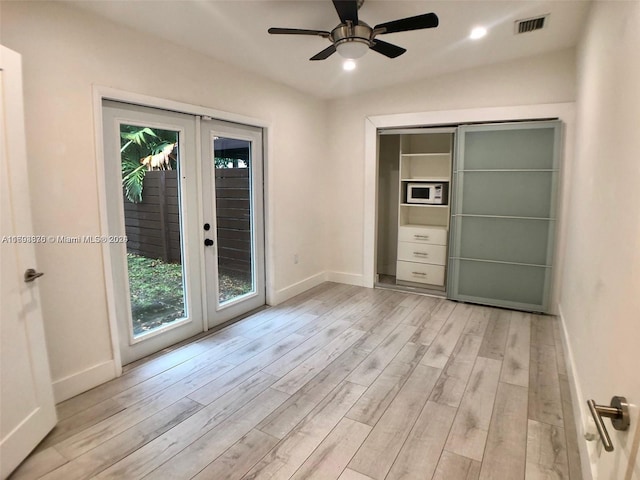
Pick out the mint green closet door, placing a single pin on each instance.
(503, 214)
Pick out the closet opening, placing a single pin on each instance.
(413, 203)
(469, 212)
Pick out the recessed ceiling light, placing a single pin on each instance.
(349, 65)
(478, 32)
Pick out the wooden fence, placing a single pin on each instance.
(153, 226)
(233, 215)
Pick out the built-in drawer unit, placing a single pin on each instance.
(420, 273)
(422, 253)
(423, 225)
(422, 234)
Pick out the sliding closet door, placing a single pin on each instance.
(503, 215)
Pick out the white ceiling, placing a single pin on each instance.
(235, 32)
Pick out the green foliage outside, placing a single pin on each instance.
(232, 285)
(137, 144)
(157, 293)
(223, 162)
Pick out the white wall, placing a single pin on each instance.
(537, 80)
(600, 297)
(67, 51)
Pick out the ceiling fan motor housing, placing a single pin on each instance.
(349, 32)
(352, 41)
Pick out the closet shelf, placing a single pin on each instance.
(423, 205)
(426, 155)
(426, 179)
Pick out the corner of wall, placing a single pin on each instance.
(77, 383)
(291, 291)
(346, 278)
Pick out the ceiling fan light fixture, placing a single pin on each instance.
(349, 65)
(477, 33)
(352, 47)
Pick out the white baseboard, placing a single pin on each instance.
(346, 278)
(580, 413)
(80, 382)
(286, 293)
(291, 291)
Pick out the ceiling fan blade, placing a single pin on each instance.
(428, 20)
(297, 31)
(388, 49)
(324, 54)
(347, 10)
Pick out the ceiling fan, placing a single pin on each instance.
(352, 37)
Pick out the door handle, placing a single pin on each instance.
(208, 242)
(618, 412)
(30, 275)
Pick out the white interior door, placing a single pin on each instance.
(27, 407)
(233, 219)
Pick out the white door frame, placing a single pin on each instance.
(563, 111)
(101, 93)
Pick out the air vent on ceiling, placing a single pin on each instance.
(531, 24)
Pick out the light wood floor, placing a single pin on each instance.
(340, 382)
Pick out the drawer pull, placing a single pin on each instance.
(419, 273)
(421, 254)
(426, 237)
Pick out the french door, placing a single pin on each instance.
(185, 224)
(233, 223)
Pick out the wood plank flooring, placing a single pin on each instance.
(340, 382)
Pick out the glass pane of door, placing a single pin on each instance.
(150, 166)
(515, 240)
(522, 194)
(511, 285)
(232, 165)
(510, 149)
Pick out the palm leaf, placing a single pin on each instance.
(137, 143)
(132, 177)
(137, 136)
(132, 184)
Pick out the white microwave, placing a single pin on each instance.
(428, 193)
